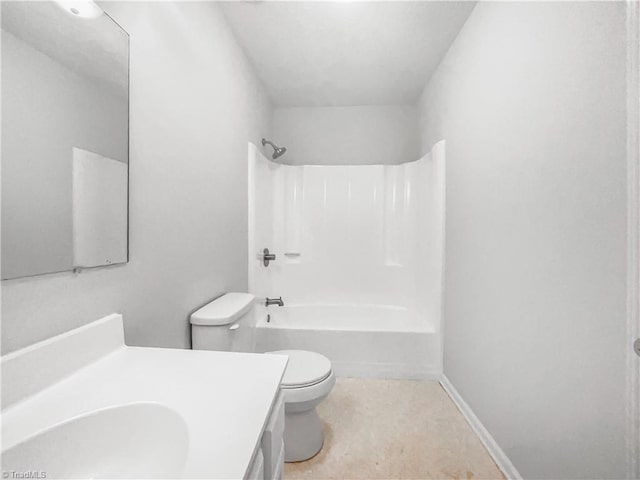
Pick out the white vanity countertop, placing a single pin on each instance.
(225, 399)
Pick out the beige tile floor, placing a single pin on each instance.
(392, 429)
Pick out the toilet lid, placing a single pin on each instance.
(304, 368)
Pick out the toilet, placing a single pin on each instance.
(228, 324)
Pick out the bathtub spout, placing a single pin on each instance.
(274, 301)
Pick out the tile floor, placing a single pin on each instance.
(393, 429)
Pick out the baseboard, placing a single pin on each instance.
(487, 440)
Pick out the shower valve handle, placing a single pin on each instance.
(267, 257)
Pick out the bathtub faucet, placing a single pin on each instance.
(274, 301)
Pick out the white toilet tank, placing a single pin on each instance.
(225, 324)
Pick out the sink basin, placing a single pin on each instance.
(137, 440)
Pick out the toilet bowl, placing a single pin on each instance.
(226, 324)
(307, 381)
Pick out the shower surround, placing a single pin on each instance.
(359, 263)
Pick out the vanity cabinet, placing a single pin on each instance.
(268, 463)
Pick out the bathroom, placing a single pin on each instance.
(455, 226)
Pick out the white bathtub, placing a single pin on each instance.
(380, 341)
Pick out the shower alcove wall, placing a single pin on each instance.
(359, 262)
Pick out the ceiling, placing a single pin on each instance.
(94, 47)
(328, 53)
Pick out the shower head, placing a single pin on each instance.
(277, 151)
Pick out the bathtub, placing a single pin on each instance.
(379, 341)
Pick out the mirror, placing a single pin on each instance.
(65, 138)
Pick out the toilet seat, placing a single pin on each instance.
(304, 369)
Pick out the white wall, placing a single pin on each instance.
(347, 135)
(47, 109)
(195, 103)
(531, 101)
